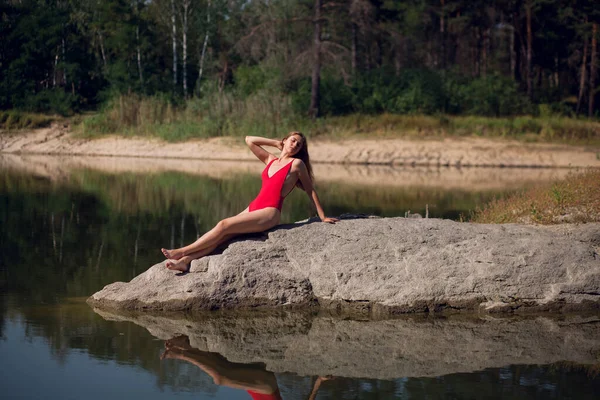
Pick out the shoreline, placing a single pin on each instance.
(442, 152)
(59, 167)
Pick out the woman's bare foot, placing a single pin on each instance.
(181, 342)
(171, 254)
(178, 265)
(175, 347)
(173, 353)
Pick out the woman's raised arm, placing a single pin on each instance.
(255, 143)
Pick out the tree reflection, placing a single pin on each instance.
(72, 237)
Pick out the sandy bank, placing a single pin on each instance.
(440, 152)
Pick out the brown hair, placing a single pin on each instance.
(303, 155)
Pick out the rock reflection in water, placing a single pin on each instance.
(387, 349)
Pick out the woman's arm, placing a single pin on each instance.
(255, 143)
(312, 194)
(317, 385)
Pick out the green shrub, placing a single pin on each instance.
(493, 96)
(336, 97)
(374, 90)
(55, 101)
(423, 93)
(252, 79)
(300, 96)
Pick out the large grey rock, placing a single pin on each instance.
(381, 266)
(383, 349)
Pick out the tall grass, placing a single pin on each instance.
(13, 119)
(574, 199)
(268, 113)
(223, 114)
(526, 128)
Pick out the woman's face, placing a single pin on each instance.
(293, 144)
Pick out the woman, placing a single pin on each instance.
(279, 178)
(254, 378)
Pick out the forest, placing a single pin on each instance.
(286, 59)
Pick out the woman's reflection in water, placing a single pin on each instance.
(253, 378)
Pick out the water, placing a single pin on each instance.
(69, 226)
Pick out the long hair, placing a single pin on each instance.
(303, 155)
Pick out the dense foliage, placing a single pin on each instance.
(310, 57)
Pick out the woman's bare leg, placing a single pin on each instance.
(245, 222)
(183, 263)
(223, 372)
(177, 254)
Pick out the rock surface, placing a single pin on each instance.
(384, 349)
(382, 266)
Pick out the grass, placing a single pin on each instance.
(14, 120)
(224, 115)
(524, 128)
(575, 199)
(272, 115)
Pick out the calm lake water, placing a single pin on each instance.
(69, 227)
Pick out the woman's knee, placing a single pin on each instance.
(224, 226)
(220, 227)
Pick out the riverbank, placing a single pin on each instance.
(443, 151)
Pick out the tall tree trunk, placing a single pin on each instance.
(138, 47)
(315, 95)
(186, 8)
(55, 69)
(443, 33)
(397, 59)
(484, 52)
(139, 57)
(582, 77)
(513, 56)
(520, 47)
(354, 48)
(477, 52)
(556, 75)
(174, 37)
(201, 66)
(529, 49)
(64, 58)
(102, 48)
(593, 68)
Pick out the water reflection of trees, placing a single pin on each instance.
(3, 310)
(212, 199)
(75, 236)
(511, 382)
(73, 326)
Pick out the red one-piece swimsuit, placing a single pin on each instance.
(270, 192)
(260, 396)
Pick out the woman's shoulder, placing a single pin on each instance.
(298, 163)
